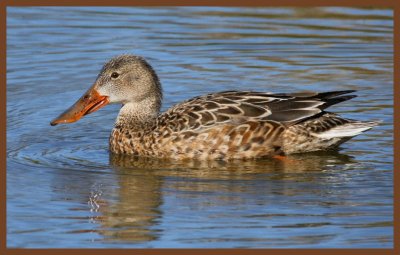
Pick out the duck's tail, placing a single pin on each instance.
(324, 133)
(349, 129)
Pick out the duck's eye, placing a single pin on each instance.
(114, 75)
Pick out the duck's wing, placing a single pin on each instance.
(240, 106)
(298, 107)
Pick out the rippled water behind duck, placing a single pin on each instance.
(65, 190)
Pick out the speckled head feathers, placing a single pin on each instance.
(128, 78)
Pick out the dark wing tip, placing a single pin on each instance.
(332, 94)
(336, 99)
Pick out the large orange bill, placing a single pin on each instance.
(90, 102)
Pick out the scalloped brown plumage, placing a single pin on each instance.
(224, 125)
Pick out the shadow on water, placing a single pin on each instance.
(296, 163)
(142, 181)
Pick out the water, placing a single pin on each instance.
(64, 190)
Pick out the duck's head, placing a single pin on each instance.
(124, 79)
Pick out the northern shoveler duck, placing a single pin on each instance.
(224, 125)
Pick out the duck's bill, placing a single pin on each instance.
(90, 102)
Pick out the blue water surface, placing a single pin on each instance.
(65, 190)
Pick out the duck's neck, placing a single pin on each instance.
(138, 116)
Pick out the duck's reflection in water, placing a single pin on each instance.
(133, 216)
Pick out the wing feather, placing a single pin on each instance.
(239, 106)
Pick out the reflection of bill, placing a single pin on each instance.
(133, 215)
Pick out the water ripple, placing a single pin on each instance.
(65, 190)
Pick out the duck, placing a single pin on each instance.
(216, 126)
